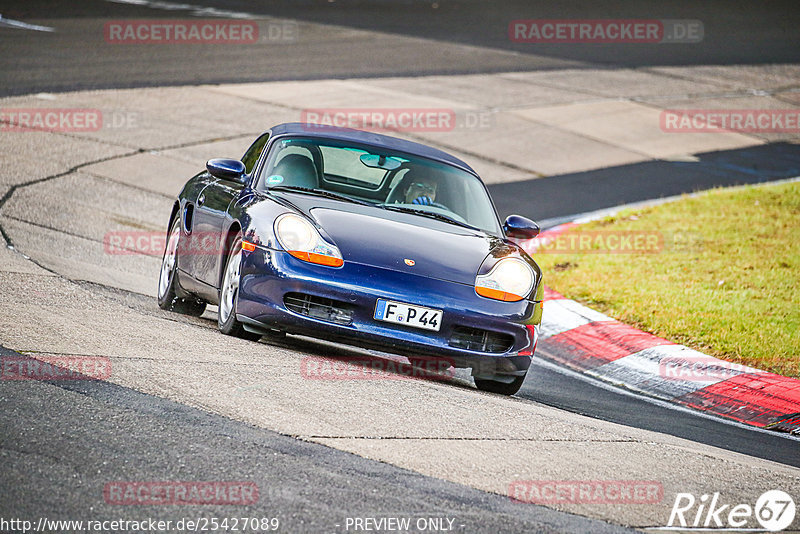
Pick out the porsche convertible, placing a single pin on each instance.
(360, 238)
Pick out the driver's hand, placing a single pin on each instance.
(423, 199)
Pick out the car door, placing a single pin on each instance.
(209, 213)
(211, 209)
(190, 238)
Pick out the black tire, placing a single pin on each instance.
(229, 290)
(493, 386)
(167, 297)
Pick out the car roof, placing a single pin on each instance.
(368, 138)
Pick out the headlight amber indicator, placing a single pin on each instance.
(302, 240)
(510, 280)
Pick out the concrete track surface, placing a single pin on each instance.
(553, 134)
(64, 192)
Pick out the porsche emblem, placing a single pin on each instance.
(409, 262)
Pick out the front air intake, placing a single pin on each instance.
(320, 308)
(480, 340)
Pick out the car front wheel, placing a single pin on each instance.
(503, 388)
(228, 293)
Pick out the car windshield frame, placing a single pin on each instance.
(472, 204)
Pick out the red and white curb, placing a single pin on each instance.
(587, 341)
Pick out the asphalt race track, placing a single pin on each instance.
(471, 37)
(186, 403)
(304, 484)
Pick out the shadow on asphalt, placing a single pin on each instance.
(548, 384)
(64, 441)
(771, 34)
(574, 193)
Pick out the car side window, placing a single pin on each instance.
(251, 156)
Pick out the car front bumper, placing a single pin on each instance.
(271, 278)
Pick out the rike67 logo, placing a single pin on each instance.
(774, 510)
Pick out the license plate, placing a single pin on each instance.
(407, 314)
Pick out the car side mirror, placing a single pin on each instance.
(226, 169)
(520, 227)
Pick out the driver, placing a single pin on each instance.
(421, 191)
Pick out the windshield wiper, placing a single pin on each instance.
(429, 214)
(320, 192)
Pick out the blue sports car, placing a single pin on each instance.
(360, 238)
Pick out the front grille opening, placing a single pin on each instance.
(480, 340)
(320, 308)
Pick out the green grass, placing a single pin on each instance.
(727, 281)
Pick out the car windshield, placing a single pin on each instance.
(390, 180)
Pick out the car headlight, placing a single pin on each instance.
(511, 279)
(302, 240)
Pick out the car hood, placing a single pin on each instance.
(394, 240)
